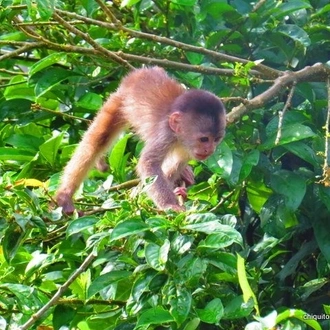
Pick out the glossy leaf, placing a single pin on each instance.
(50, 79)
(291, 185)
(156, 315)
(212, 313)
(128, 227)
(106, 280)
(181, 305)
(47, 61)
(80, 224)
(290, 133)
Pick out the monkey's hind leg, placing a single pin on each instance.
(104, 129)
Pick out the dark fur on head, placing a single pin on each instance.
(199, 102)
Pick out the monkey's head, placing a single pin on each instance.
(198, 120)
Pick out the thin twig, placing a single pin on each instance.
(35, 317)
(282, 113)
(326, 173)
(108, 12)
(327, 123)
(267, 71)
(37, 107)
(92, 42)
(317, 72)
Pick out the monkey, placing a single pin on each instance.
(175, 124)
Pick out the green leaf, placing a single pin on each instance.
(303, 151)
(127, 228)
(300, 315)
(185, 2)
(237, 308)
(142, 284)
(38, 261)
(19, 89)
(156, 315)
(321, 11)
(212, 313)
(181, 304)
(181, 243)
(157, 256)
(12, 240)
(78, 225)
(250, 160)
(128, 3)
(258, 194)
(63, 316)
(50, 79)
(54, 58)
(290, 7)
(16, 154)
(49, 149)
(290, 133)
(90, 101)
(322, 233)
(295, 32)
(193, 324)
(117, 158)
(25, 141)
(225, 261)
(244, 283)
(27, 298)
(103, 281)
(221, 162)
(290, 185)
(221, 240)
(190, 270)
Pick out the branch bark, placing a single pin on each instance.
(35, 317)
(317, 72)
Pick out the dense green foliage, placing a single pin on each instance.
(252, 249)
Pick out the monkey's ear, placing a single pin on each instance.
(174, 120)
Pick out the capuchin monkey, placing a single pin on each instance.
(176, 125)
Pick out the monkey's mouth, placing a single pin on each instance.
(201, 157)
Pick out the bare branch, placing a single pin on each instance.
(93, 43)
(317, 72)
(326, 171)
(35, 317)
(266, 71)
(18, 51)
(282, 113)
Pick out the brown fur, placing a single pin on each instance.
(171, 122)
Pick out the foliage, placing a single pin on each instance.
(252, 249)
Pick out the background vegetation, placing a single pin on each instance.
(252, 251)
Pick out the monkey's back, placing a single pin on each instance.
(147, 95)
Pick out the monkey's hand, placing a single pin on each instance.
(181, 191)
(187, 176)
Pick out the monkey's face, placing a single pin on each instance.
(199, 135)
(204, 146)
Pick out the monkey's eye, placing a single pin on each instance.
(204, 139)
(217, 139)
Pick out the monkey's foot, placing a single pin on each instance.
(65, 202)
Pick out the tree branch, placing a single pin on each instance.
(265, 70)
(317, 72)
(91, 41)
(35, 317)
